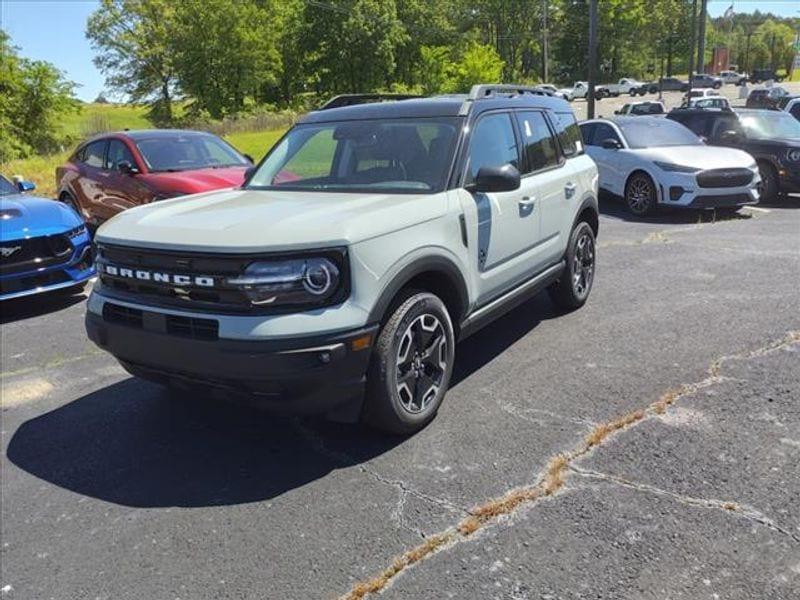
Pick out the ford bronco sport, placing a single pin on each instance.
(368, 241)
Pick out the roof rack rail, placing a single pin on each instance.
(353, 99)
(485, 90)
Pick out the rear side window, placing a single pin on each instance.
(540, 146)
(569, 134)
(94, 154)
(492, 145)
(118, 152)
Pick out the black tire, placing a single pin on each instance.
(572, 289)
(769, 182)
(640, 195)
(411, 366)
(633, 93)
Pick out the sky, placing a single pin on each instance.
(53, 30)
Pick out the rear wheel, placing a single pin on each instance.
(572, 290)
(640, 195)
(411, 365)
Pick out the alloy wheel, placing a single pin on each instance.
(583, 265)
(639, 195)
(421, 362)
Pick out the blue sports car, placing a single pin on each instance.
(44, 244)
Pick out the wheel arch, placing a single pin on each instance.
(588, 211)
(435, 274)
(639, 169)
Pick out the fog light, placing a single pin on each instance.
(675, 193)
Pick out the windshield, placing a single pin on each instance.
(655, 132)
(402, 155)
(764, 125)
(188, 152)
(6, 187)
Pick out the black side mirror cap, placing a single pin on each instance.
(505, 178)
(611, 144)
(125, 167)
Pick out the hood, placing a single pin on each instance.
(196, 181)
(259, 220)
(701, 157)
(28, 216)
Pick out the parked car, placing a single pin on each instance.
(44, 245)
(581, 90)
(559, 93)
(116, 171)
(700, 93)
(765, 97)
(673, 84)
(626, 85)
(369, 240)
(732, 77)
(641, 108)
(762, 75)
(654, 162)
(701, 80)
(771, 137)
(708, 103)
(791, 105)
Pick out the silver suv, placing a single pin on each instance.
(370, 239)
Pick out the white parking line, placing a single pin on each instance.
(758, 209)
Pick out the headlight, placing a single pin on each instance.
(676, 168)
(310, 281)
(793, 155)
(76, 231)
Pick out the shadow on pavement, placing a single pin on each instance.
(136, 444)
(613, 207)
(35, 306)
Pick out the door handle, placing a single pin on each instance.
(569, 189)
(527, 202)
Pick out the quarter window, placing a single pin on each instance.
(569, 134)
(93, 155)
(540, 146)
(492, 145)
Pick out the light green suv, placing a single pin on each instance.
(370, 239)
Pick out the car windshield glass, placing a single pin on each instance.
(400, 155)
(656, 132)
(6, 187)
(764, 125)
(187, 152)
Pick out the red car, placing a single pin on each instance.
(115, 171)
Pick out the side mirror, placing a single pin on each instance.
(495, 179)
(126, 168)
(26, 186)
(730, 137)
(250, 158)
(611, 144)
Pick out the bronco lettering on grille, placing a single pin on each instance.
(157, 276)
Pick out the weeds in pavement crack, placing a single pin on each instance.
(553, 478)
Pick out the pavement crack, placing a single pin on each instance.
(736, 508)
(553, 478)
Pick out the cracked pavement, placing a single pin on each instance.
(112, 489)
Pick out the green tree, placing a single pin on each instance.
(134, 40)
(477, 63)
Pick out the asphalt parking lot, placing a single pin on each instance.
(645, 446)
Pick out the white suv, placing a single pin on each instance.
(369, 240)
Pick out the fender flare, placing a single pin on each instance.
(427, 264)
(591, 203)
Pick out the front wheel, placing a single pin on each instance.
(572, 290)
(640, 195)
(769, 182)
(411, 365)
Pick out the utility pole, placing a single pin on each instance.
(746, 69)
(692, 40)
(545, 42)
(701, 46)
(592, 56)
(772, 53)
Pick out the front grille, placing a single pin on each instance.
(123, 315)
(30, 254)
(215, 269)
(724, 178)
(191, 327)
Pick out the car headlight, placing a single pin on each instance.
(311, 281)
(76, 231)
(676, 168)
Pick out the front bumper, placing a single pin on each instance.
(681, 190)
(306, 375)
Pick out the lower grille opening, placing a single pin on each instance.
(123, 315)
(198, 329)
(23, 284)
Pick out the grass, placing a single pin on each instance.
(94, 118)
